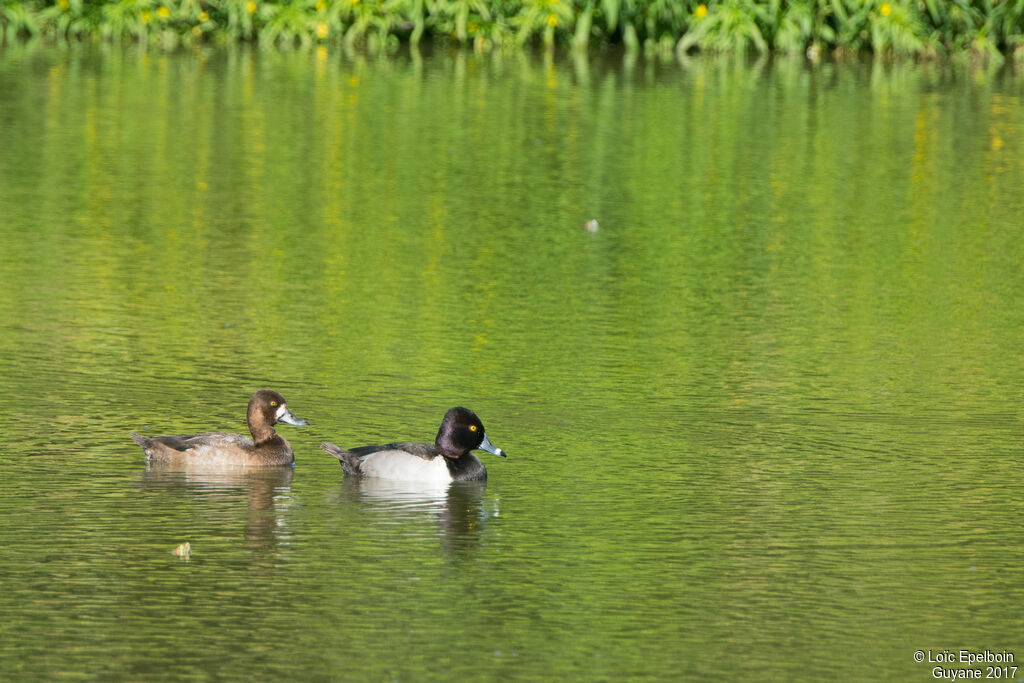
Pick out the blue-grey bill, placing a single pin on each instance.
(486, 445)
(288, 418)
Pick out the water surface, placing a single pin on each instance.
(764, 423)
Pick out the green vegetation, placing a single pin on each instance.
(926, 28)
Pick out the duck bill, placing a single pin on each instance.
(285, 415)
(486, 445)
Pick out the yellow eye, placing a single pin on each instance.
(472, 428)
(273, 403)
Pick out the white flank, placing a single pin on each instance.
(402, 466)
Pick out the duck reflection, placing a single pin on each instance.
(458, 508)
(263, 488)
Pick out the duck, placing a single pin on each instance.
(266, 448)
(446, 460)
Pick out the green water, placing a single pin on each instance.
(764, 424)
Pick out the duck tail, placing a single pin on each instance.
(349, 460)
(140, 440)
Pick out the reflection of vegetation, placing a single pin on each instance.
(246, 240)
(985, 28)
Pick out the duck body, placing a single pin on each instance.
(446, 460)
(216, 449)
(267, 448)
(407, 461)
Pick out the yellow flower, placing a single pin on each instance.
(886, 9)
(701, 11)
(354, 2)
(250, 7)
(552, 20)
(203, 16)
(63, 4)
(322, 30)
(321, 5)
(146, 16)
(163, 12)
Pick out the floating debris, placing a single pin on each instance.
(591, 225)
(184, 550)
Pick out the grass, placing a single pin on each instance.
(982, 29)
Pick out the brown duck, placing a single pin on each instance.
(267, 448)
